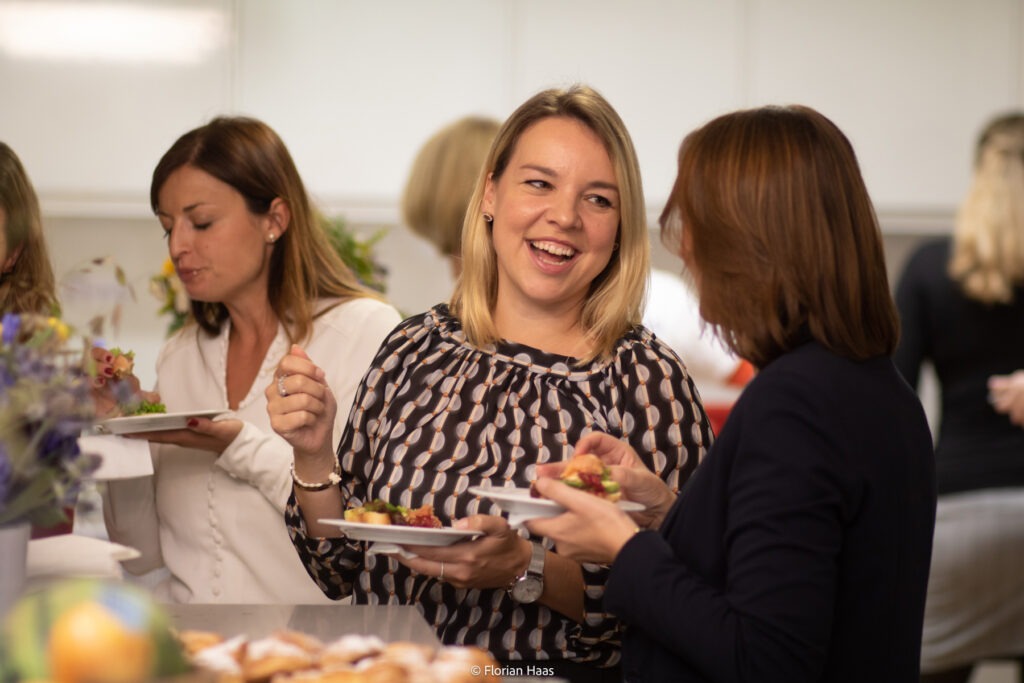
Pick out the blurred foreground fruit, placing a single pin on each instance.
(88, 631)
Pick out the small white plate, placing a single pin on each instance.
(388, 537)
(152, 422)
(521, 506)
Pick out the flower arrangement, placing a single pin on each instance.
(45, 403)
(167, 288)
(356, 253)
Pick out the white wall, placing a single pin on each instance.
(355, 87)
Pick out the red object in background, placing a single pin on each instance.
(58, 528)
(716, 416)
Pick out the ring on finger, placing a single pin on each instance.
(440, 577)
(280, 386)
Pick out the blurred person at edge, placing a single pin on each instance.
(961, 302)
(26, 275)
(799, 549)
(540, 345)
(27, 284)
(441, 182)
(256, 263)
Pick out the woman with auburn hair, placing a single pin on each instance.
(261, 274)
(799, 549)
(541, 345)
(961, 299)
(26, 276)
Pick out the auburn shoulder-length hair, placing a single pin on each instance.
(615, 303)
(441, 181)
(784, 240)
(29, 286)
(249, 156)
(988, 240)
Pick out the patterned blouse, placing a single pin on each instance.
(435, 416)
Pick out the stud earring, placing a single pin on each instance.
(271, 237)
(488, 218)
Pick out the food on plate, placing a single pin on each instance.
(378, 511)
(123, 364)
(587, 472)
(293, 657)
(139, 402)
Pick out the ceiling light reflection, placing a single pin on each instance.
(64, 31)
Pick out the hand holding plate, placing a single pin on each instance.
(590, 530)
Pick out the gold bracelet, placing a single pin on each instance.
(333, 479)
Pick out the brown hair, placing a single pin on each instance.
(442, 178)
(616, 295)
(785, 242)
(29, 286)
(988, 239)
(249, 156)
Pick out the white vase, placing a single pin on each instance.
(13, 556)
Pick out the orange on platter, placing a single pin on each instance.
(89, 643)
(88, 631)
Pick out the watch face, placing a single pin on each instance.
(528, 589)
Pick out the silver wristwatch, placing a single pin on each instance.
(528, 587)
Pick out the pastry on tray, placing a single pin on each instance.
(294, 657)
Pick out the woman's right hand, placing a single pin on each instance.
(301, 405)
(638, 483)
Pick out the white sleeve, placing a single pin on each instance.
(129, 512)
(261, 460)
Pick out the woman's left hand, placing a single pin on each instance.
(491, 561)
(202, 433)
(591, 529)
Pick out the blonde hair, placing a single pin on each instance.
(784, 237)
(988, 238)
(29, 287)
(440, 183)
(616, 298)
(250, 157)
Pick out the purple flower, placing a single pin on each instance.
(11, 323)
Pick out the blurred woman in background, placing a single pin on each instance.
(441, 183)
(961, 301)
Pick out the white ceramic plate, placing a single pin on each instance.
(395, 534)
(152, 422)
(521, 506)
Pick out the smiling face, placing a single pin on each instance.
(556, 217)
(220, 249)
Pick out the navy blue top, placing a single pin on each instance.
(967, 342)
(799, 549)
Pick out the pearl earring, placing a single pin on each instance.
(271, 237)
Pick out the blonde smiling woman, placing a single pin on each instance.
(541, 344)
